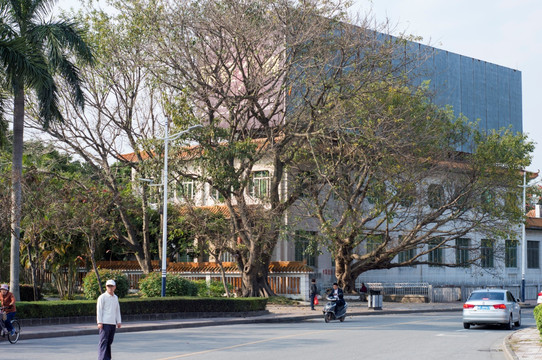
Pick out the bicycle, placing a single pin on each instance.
(3, 330)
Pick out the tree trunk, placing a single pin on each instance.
(343, 270)
(255, 283)
(92, 248)
(223, 275)
(32, 273)
(16, 192)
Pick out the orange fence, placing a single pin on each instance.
(280, 284)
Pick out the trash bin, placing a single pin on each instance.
(375, 300)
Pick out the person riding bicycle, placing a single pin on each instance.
(7, 300)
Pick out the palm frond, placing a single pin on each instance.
(39, 9)
(65, 35)
(70, 72)
(17, 62)
(47, 95)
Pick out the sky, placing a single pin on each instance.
(504, 32)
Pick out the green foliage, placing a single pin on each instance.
(92, 290)
(214, 289)
(538, 317)
(151, 286)
(47, 309)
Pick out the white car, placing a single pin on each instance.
(491, 306)
(539, 300)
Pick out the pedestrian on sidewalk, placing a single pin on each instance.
(108, 318)
(313, 293)
(363, 292)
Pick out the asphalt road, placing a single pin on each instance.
(408, 336)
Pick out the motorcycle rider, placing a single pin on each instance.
(337, 293)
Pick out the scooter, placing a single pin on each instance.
(331, 314)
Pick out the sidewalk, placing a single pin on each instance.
(521, 345)
(524, 344)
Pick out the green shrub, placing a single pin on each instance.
(47, 309)
(92, 290)
(538, 317)
(26, 292)
(151, 286)
(214, 289)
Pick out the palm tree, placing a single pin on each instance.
(46, 48)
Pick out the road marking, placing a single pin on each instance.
(368, 326)
(245, 344)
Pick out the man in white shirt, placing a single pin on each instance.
(108, 318)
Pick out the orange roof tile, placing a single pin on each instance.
(533, 223)
(205, 267)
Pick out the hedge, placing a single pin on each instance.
(47, 309)
(538, 317)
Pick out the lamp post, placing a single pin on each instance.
(523, 242)
(166, 139)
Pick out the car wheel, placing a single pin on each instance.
(466, 325)
(518, 323)
(510, 324)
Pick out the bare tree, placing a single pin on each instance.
(120, 117)
(255, 73)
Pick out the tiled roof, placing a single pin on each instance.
(205, 267)
(213, 209)
(533, 223)
(125, 265)
(187, 151)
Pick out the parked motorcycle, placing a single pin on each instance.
(330, 312)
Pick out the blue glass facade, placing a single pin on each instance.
(474, 88)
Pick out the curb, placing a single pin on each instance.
(508, 352)
(251, 320)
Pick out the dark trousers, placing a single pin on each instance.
(107, 334)
(9, 317)
(312, 296)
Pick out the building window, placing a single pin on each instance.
(462, 252)
(435, 196)
(511, 254)
(488, 200)
(487, 253)
(373, 242)
(303, 247)
(217, 196)
(259, 184)
(406, 255)
(186, 257)
(533, 254)
(227, 257)
(436, 255)
(407, 196)
(186, 190)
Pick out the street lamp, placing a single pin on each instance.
(164, 219)
(523, 242)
